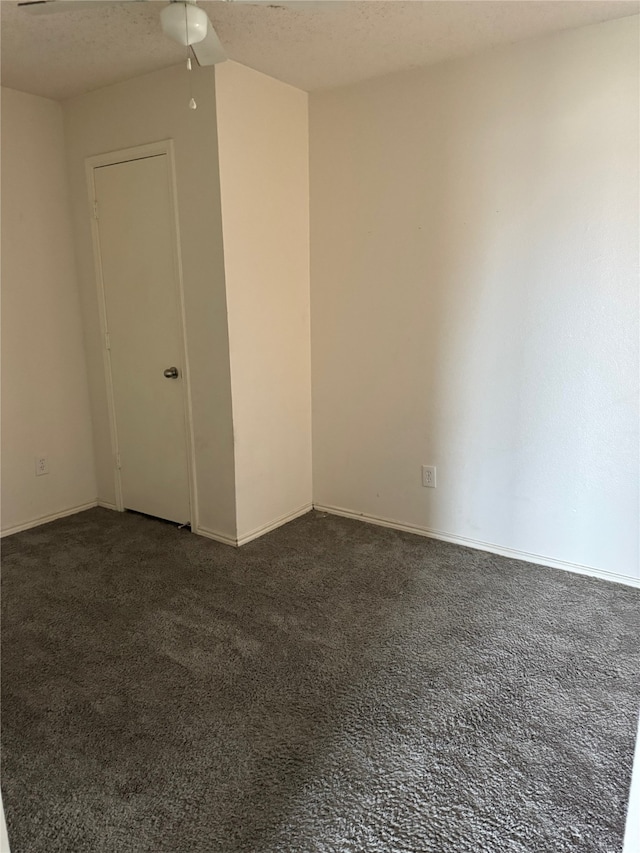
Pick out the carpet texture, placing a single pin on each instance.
(331, 688)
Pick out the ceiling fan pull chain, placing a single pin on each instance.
(192, 102)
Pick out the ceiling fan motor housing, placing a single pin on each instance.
(184, 22)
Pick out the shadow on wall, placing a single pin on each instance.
(475, 298)
(530, 393)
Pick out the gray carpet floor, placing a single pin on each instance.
(331, 687)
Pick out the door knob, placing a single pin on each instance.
(171, 373)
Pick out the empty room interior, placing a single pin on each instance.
(320, 426)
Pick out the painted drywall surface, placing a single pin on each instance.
(264, 181)
(474, 263)
(4, 838)
(148, 109)
(45, 402)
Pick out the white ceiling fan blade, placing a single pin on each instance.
(47, 7)
(209, 51)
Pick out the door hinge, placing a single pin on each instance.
(118, 462)
(107, 340)
(95, 210)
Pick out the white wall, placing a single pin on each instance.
(632, 828)
(474, 264)
(264, 182)
(45, 403)
(4, 838)
(147, 109)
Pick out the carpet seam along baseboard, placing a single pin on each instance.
(492, 548)
(381, 521)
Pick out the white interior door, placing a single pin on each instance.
(138, 256)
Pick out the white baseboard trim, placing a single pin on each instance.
(258, 531)
(45, 519)
(278, 522)
(217, 537)
(514, 554)
(107, 505)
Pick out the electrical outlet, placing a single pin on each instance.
(429, 476)
(42, 466)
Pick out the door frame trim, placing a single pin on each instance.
(111, 158)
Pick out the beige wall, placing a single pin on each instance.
(45, 404)
(264, 179)
(475, 297)
(147, 109)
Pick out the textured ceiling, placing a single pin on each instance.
(313, 44)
